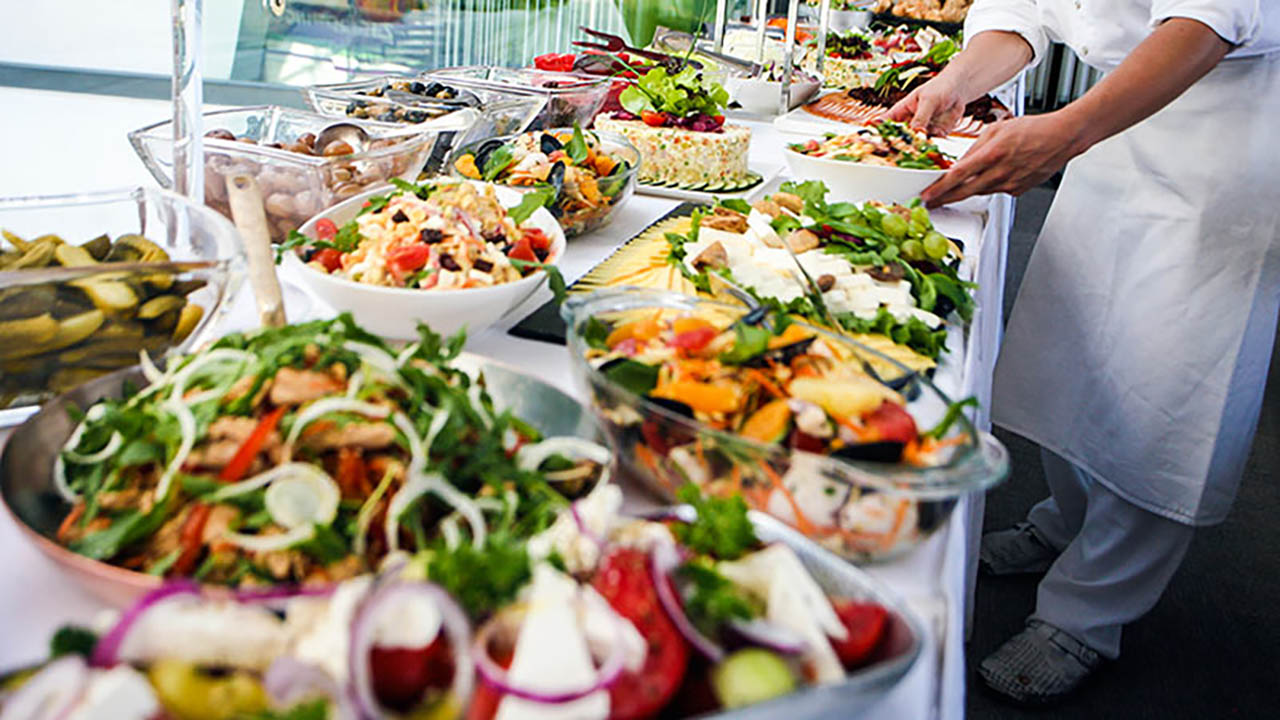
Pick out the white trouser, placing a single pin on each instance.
(1116, 560)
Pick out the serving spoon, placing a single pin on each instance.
(251, 220)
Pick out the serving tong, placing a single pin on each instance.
(615, 44)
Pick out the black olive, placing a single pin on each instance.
(430, 236)
(482, 265)
(755, 316)
(417, 88)
(308, 253)
(448, 263)
(555, 178)
(550, 143)
(884, 451)
(495, 236)
(434, 89)
(352, 108)
(783, 355)
(388, 116)
(541, 254)
(399, 217)
(415, 116)
(674, 406)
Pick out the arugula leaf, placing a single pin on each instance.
(951, 416)
(737, 204)
(712, 600)
(73, 640)
(595, 332)
(161, 566)
(576, 148)
(326, 546)
(721, 529)
(124, 531)
(631, 375)
(751, 340)
(498, 161)
(481, 580)
(555, 281)
(378, 202)
(541, 196)
(957, 292)
(684, 93)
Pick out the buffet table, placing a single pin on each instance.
(77, 142)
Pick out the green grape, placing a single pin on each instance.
(921, 215)
(916, 230)
(912, 250)
(894, 226)
(936, 245)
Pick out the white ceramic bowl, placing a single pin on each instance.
(859, 182)
(396, 312)
(761, 96)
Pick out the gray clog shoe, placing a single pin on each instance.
(1039, 665)
(1020, 549)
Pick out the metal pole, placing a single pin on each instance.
(188, 98)
(762, 19)
(722, 8)
(824, 26)
(788, 56)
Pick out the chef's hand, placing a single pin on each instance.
(936, 106)
(1010, 156)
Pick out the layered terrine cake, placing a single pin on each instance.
(711, 154)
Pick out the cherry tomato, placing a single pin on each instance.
(538, 239)
(624, 580)
(939, 160)
(653, 119)
(402, 675)
(330, 258)
(523, 250)
(326, 229)
(892, 423)
(555, 62)
(408, 258)
(867, 624)
(695, 340)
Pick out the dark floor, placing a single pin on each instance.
(1211, 647)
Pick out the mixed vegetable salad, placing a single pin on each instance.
(753, 406)
(440, 235)
(582, 178)
(598, 616)
(306, 455)
(684, 99)
(886, 143)
(882, 270)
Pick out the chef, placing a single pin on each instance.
(1139, 345)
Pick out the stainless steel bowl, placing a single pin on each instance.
(26, 467)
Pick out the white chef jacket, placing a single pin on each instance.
(1104, 32)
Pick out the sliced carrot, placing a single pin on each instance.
(803, 524)
(766, 383)
(70, 520)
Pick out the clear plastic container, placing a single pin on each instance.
(295, 185)
(63, 325)
(871, 511)
(569, 98)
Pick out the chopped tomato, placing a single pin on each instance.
(402, 675)
(624, 580)
(409, 258)
(939, 159)
(653, 119)
(523, 250)
(326, 229)
(890, 422)
(537, 239)
(243, 459)
(866, 624)
(485, 699)
(555, 62)
(330, 258)
(695, 340)
(189, 539)
(652, 434)
(807, 443)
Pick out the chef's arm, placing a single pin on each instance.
(1018, 154)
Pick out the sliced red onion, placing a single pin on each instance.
(610, 670)
(583, 528)
(289, 681)
(663, 561)
(470, 224)
(106, 653)
(50, 694)
(765, 634)
(453, 621)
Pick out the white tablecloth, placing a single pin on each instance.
(76, 142)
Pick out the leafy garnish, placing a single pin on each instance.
(317, 709)
(721, 530)
(482, 580)
(576, 148)
(555, 281)
(72, 640)
(498, 161)
(710, 599)
(633, 376)
(539, 197)
(595, 333)
(951, 416)
(684, 93)
(751, 340)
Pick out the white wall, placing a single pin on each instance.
(114, 35)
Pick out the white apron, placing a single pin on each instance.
(1138, 347)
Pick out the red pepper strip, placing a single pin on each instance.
(189, 539)
(239, 464)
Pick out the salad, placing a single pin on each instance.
(584, 178)
(600, 616)
(444, 235)
(777, 413)
(886, 143)
(684, 99)
(883, 271)
(306, 455)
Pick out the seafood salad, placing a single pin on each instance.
(756, 407)
(599, 616)
(306, 455)
(886, 143)
(436, 236)
(585, 177)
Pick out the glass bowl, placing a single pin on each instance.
(80, 298)
(296, 186)
(861, 510)
(613, 189)
(569, 97)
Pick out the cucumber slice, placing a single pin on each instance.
(750, 676)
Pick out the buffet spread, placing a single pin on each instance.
(348, 516)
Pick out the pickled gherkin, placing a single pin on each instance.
(56, 334)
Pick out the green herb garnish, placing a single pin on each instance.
(721, 530)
